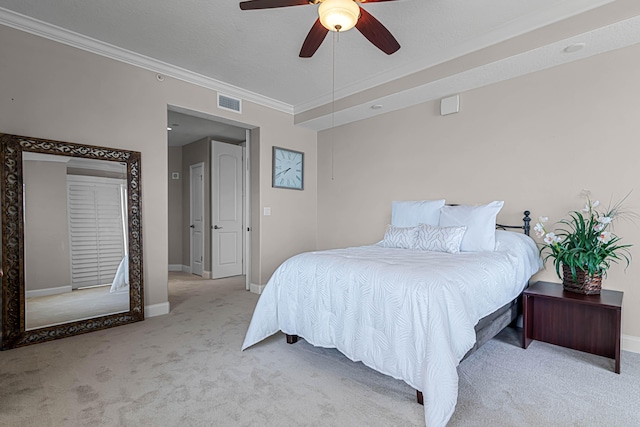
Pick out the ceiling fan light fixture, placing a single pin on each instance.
(339, 15)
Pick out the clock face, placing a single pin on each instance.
(288, 168)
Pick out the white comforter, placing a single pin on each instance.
(121, 280)
(406, 313)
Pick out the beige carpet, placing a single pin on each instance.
(75, 305)
(186, 369)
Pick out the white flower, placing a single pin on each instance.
(604, 237)
(604, 220)
(551, 238)
(539, 229)
(590, 205)
(543, 218)
(585, 193)
(599, 227)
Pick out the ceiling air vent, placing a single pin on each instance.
(227, 103)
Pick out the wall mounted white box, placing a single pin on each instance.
(450, 105)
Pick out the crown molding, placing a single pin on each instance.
(70, 38)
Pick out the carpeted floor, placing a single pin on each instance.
(186, 369)
(75, 305)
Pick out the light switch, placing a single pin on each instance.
(267, 211)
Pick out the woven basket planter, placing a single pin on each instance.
(583, 284)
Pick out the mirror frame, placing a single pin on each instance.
(14, 333)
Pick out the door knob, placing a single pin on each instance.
(192, 226)
(215, 227)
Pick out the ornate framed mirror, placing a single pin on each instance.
(71, 239)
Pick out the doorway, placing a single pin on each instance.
(190, 144)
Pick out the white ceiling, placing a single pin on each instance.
(188, 128)
(254, 54)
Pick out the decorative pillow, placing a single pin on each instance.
(400, 237)
(412, 213)
(440, 239)
(480, 222)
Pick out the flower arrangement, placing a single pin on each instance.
(584, 242)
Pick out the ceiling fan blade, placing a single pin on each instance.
(268, 4)
(314, 39)
(376, 33)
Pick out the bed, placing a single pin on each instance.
(121, 280)
(409, 313)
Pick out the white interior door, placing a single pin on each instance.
(197, 217)
(226, 210)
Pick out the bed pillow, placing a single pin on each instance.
(412, 213)
(440, 239)
(480, 222)
(400, 237)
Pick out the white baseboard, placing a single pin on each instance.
(631, 343)
(48, 291)
(256, 289)
(186, 269)
(156, 310)
(175, 267)
(206, 274)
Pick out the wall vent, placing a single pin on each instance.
(228, 103)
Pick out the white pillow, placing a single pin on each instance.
(480, 222)
(412, 213)
(440, 239)
(400, 237)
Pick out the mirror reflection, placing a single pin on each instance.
(75, 239)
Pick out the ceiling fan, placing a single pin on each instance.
(335, 15)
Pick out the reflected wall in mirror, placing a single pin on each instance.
(71, 239)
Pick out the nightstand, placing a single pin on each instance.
(589, 323)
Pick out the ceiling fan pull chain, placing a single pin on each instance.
(333, 98)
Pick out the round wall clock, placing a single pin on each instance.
(288, 168)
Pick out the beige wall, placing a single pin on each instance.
(175, 206)
(46, 233)
(535, 142)
(54, 91)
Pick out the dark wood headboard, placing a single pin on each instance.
(525, 226)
